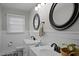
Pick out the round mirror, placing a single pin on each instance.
(36, 21)
(63, 15)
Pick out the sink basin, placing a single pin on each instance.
(44, 51)
(31, 42)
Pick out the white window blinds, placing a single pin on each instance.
(16, 23)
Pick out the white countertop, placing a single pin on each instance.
(44, 51)
(31, 42)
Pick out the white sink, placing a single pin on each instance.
(31, 42)
(44, 51)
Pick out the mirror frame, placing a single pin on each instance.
(36, 15)
(69, 23)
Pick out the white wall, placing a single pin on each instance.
(70, 35)
(0, 28)
(16, 38)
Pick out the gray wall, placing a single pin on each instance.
(0, 28)
(16, 38)
(70, 35)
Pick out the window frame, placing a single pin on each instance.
(9, 14)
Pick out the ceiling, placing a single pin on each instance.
(19, 6)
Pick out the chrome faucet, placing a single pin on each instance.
(56, 48)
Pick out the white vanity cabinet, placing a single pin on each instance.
(43, 51)
(31, 53)
(28, 43)
(26, 51)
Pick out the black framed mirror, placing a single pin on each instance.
(63, 15)
(36, 21)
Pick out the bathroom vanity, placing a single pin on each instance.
(33, 49)
(28, 43)
(43, 51)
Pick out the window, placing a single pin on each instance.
(15, 23)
